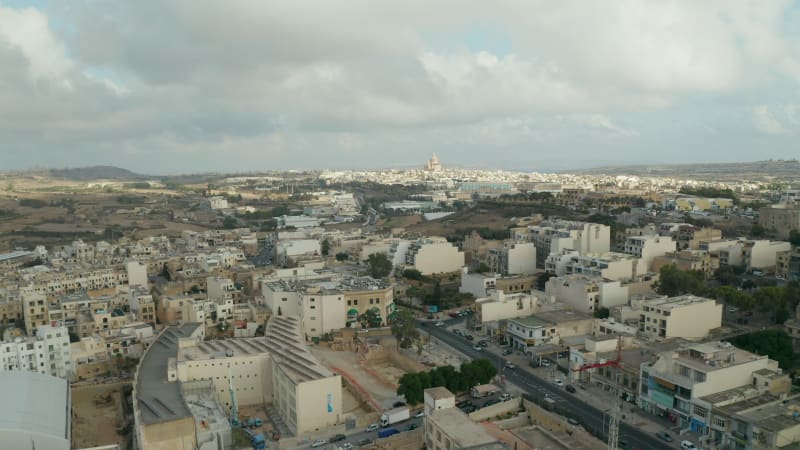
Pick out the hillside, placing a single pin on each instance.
(772, 169)
(95, 173)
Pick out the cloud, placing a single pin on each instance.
(282, 80)
(766, 122)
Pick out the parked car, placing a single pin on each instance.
(412, 427)
(505, 397)
(733, 309)
(468, 409)
(510, 365)
(318, 443)
(372, 427)
(469, 337)
(507, 351)
(398, 404)
(545, 363)
(491, 402)
(477, 347)
(570, 388)
(483, 344)
(364, 441)
(688, 445)
(346, 446)
(419, 414)
(337, 438)
(663, 435)
(439, 324)
(572, 421)
(558, 382)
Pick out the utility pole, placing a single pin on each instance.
(616, 409)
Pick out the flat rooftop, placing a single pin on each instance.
(161, 400)
(438, 393)
(221, 348)
(675, 302)
(563, 315)
(464, 432)
(35, 403)
(531, 322)
(284, 341)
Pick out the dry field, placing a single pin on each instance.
(96, 415)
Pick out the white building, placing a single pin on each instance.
(219, 289)
(218, 203)
(477, 284)
(47, 353)
(517, 258)
(37, 414)
(434, 255)
(322, 311)
(686, 316)
(678, 379)
(553, 236)
(137, 273)
(286, 250)
(649, 247)
(499, 306)
(611, 266)
(762, 254)
(586, 294)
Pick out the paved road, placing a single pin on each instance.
(354, 436)
(591, 418)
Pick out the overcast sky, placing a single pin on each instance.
(167, 86)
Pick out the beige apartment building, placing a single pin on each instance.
(447, 427)
(677, 381)
(781, 218)
(697, 260)
(685, 316)
(586, 294)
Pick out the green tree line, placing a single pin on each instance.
(472, 373)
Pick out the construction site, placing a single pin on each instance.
(99, 415)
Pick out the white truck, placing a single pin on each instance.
(395, 415)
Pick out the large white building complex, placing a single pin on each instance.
(277, 369)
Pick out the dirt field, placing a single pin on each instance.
(377, 374)
(465, 220)
(96, 423)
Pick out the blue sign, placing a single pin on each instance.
(330, 403)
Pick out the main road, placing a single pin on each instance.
(591, 418)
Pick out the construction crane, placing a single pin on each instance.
(616, 408)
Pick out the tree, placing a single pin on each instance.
(774, 343)
(404, 329)
(341, 256)
(230, 222)
(674, 281)
(326, 247)
(412, 274)
(757, 230)
(483, 268)
(371, 318)
(379, 265)
(794, 238)
(602, 313)
(541, 280)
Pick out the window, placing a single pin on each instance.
(684, 371)
(699, 376)
(699, 411)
